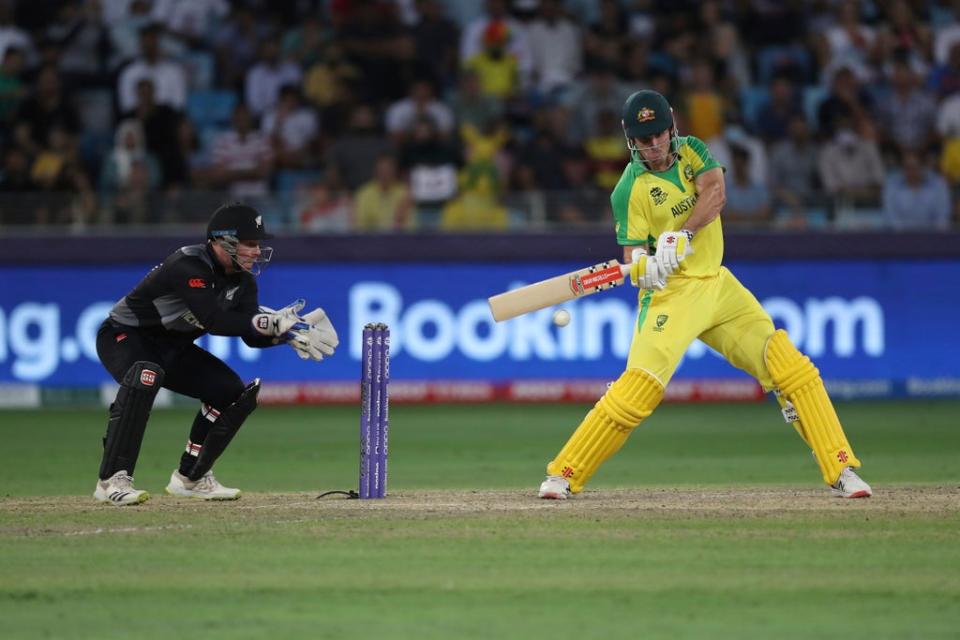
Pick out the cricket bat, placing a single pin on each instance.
(551, 291)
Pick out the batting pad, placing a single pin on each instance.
(800, 383)
(626, 403)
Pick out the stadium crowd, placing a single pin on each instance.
(380, 115)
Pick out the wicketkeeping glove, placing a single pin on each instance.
(315, 337)
(277, 323)
(672, 248)
(646, 272)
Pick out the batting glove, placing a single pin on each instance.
(646, 272)
(672, 248)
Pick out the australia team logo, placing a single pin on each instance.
(661, 320)
(688, 172)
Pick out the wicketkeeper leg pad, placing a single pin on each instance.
(128, 418)
(800, 383)
(224, 428)
(603, 431)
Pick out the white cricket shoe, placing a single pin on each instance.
(206, 488)
(118, 490)
(555, 488)
(850, 485)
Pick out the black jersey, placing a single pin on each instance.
(190, 294)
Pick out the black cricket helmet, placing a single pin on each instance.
(647, 113)
(234, 223)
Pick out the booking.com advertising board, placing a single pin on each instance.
(873, 328)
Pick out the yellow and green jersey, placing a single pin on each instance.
(647, 203)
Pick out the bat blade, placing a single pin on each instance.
(551, 291)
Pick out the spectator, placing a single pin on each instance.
(383, 203)
(264, 80)
(477, 205)
(514, 44)
(851, 169)
(606, 42)
(237, 43)
(45, 109)
(160, 124)
(903, 35)
(735, 135)
(916, 197)
(130, 174)
(578, 201)
(378, 44)
(636, 69)
(12, 88)
(724, 44)
(776, 114)
(431, 164)
(403, 115)
(330, 85)
(68, 197)
(168, 77)
(13, 36)
(848, 42)
(326, 206)
(293, 129)
(536, 159)
(81, 37)
(18, 200)
(847, 100)
(354, 153)
(307, 45)
(242, 158)
(948, 126)
(193, 157)
(436, 44)
(704, 112)
(555, 49)
(191, 21)
(497, 68)
(946, 34)
(472, 107)
(124, 22)
(748, 201)
(907, 114)
(476, 208)
(606, 151)
(944, 79)
(793, 173)
(601, 91)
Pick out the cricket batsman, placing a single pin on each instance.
(147, 342)
(667, 208)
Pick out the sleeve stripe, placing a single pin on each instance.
(620, 203)
(701, 150)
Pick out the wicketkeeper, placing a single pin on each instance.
(666, 204)
(147, 342)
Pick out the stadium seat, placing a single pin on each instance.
(289, 180)
(211, 108)
(200, 69)
(752, 101)
(776, 58)
(813, 96)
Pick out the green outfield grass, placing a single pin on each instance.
(710, 523)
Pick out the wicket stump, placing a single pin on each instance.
(374, 410)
